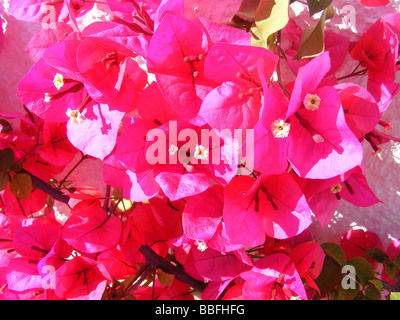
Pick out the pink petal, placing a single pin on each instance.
(225, 108)
(339, 152)
(35, 240)
(243, 224)
(22, 275)
(361, 111)
(308, 78)
(97, 134)
(90, 230)
(81, 279)
(292, 215)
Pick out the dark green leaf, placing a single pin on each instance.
(17, 166)
(312, 42)
(334, 251)
(377, 283)
(5, 126)
(315, 6)
(347, 294)
(364, 270)
(391, 269)
(329, 277)
(71, 189)
(371, 292)
(6, 159)
(376, 254)
(4, 180)
(165, 278)
(21, 185)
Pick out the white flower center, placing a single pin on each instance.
(201, 245)
(58, 81)
(311, 102)
(280, 129)
(336, 188)
(75, 116)
(172, 149)
(201, 152)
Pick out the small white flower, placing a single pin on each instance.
(201, 245)
(75, 115)
(280, 129)
(311, 102)
(201, 153)
(336, 188)
(173, 149)
(58, 81)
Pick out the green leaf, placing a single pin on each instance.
(364, 270)
(21, 185)
(334, 251)
(6, 159)
(4, 180)
(376, 254)
(71, 189)
(17, 166)
(312, 42)
(391, 268)
(271, 16)
(377, 283)
(315, 6)
(330, 276)
(347, 294)
(5, 126)
(67, 183)
(395, 296)
(165, 278)
(371, 292)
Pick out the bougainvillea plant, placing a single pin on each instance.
(224, 128)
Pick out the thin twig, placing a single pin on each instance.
(45, 187)
(159, 262)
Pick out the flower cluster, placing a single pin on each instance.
(221, 138)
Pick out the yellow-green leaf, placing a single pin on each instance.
(271, 16)
(256, 38)
(395, 296)
(21, 185)
(312, 42)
